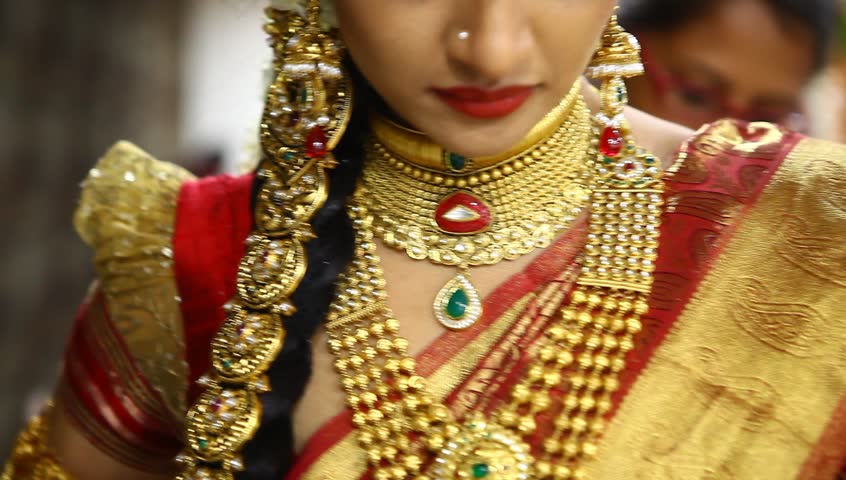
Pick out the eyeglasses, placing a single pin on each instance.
(696, 103)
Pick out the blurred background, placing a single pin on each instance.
(181, 78)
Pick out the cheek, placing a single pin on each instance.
(387, 46)
(569, 40)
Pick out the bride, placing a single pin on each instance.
(457, 259)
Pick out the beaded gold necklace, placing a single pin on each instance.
(469, 212)
(406, 433)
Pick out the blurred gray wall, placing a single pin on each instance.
(74, 77)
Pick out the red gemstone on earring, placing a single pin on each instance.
(316, 143)
(462, 214)
(611, 142)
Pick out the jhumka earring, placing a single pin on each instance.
(306, 112)
(628, 183)
(617, 59)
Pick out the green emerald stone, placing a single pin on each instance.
(608, 161)
(303, 95)
(457, 305)
(481, 470)
(203, 443)
(621, 95)
(457, 162)
(650, 160)
(227, 364)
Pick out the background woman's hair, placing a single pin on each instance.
(270, 454)
(819, 17)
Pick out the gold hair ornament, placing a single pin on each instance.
(306, 112)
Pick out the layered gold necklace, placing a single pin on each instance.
(455, 211)
(461, 212)
(406, 433)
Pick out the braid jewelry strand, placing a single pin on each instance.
(306, 113)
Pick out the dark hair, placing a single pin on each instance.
(269, 455)
(819, 17)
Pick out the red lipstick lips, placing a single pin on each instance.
(481, 103)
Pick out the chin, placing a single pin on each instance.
(475, 142)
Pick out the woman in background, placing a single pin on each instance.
(458, 260)
(746, 59)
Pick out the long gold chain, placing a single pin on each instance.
(581, 355)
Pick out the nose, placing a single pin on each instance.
(489, 40)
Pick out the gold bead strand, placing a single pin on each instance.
(377, 374)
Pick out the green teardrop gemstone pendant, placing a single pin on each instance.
(458, 305)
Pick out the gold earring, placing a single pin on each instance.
(621, 164)
(306, 112)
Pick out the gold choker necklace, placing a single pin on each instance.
(478, 212)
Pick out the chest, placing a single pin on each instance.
(412, 287)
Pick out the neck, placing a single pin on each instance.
(416, 149)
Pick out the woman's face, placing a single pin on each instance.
(474, 75)
(739, 60)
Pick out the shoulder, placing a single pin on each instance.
(166, 247)
(805, 170)
(133, 205)
(660, 137)
(809, 193)
(788, 190)
(126, 214)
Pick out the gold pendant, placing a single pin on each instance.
(484, 449)
(458, 305)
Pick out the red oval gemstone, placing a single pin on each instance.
(316, 143)
(462, 213)
(611, 142)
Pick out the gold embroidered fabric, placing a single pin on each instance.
(126, 214)
(32, 458)
(751, 376)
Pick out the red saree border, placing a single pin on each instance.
(729, 160)
(826, 461)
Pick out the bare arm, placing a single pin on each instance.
(84, 461)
